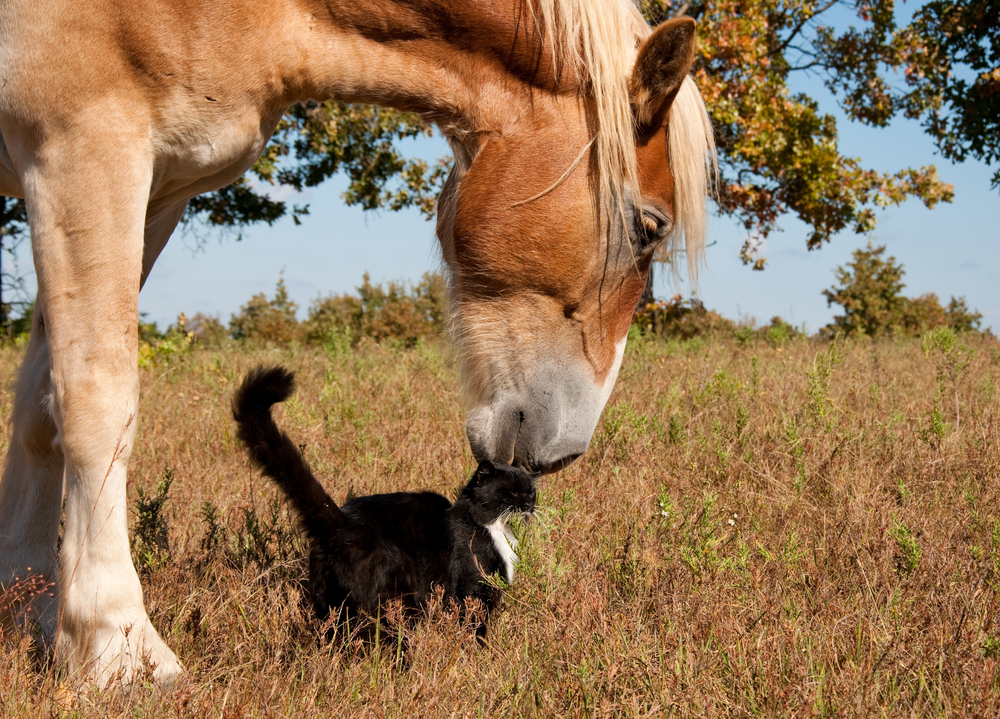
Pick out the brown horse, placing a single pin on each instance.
(581, 148)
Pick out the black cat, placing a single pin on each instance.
(387, 546)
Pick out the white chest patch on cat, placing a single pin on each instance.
(505, 542)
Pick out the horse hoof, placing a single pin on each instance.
(127, 657)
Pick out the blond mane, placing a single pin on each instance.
(599, 39)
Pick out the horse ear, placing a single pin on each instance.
(664, 60)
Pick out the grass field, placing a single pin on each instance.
(783, 529)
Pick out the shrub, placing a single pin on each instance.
(151, 534)
(960, 318)
(920, 314)
(336, 314)
(776, 334)
(148, 331)
(204, 330)
(267, 320)
(156, 346)
(682, 319)
(780, 332)
(395, 312)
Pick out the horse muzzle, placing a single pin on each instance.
(541, 428)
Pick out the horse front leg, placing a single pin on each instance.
(87, 209)
(31, 493)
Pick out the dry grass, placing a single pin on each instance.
(755, 531)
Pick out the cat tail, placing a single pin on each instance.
(275, 453)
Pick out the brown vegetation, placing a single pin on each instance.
(760, 528)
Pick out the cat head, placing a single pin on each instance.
(499, 490)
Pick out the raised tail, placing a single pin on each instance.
(276, 454)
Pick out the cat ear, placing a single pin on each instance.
(483, 472)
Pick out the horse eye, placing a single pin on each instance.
(651, 229)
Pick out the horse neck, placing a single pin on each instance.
(468, 65)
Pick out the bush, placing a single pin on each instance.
(148, 331)
(156, 346)
(205, 331)
(960, 318)
(265, 320)
(779, 332)
(682, 319)
(397, 312)
(920, 314)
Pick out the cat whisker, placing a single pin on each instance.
(543, 518)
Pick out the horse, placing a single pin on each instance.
(581, 148)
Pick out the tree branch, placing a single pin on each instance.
(800, 26)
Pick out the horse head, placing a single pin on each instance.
(548, 257)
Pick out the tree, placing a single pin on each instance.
(779, 153)
(315, 141)
(950, 58)
(871, 294)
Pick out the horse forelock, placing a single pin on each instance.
(599, 40)
(694, 165)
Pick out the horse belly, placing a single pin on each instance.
(192, 158)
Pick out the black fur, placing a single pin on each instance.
(384, 546)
